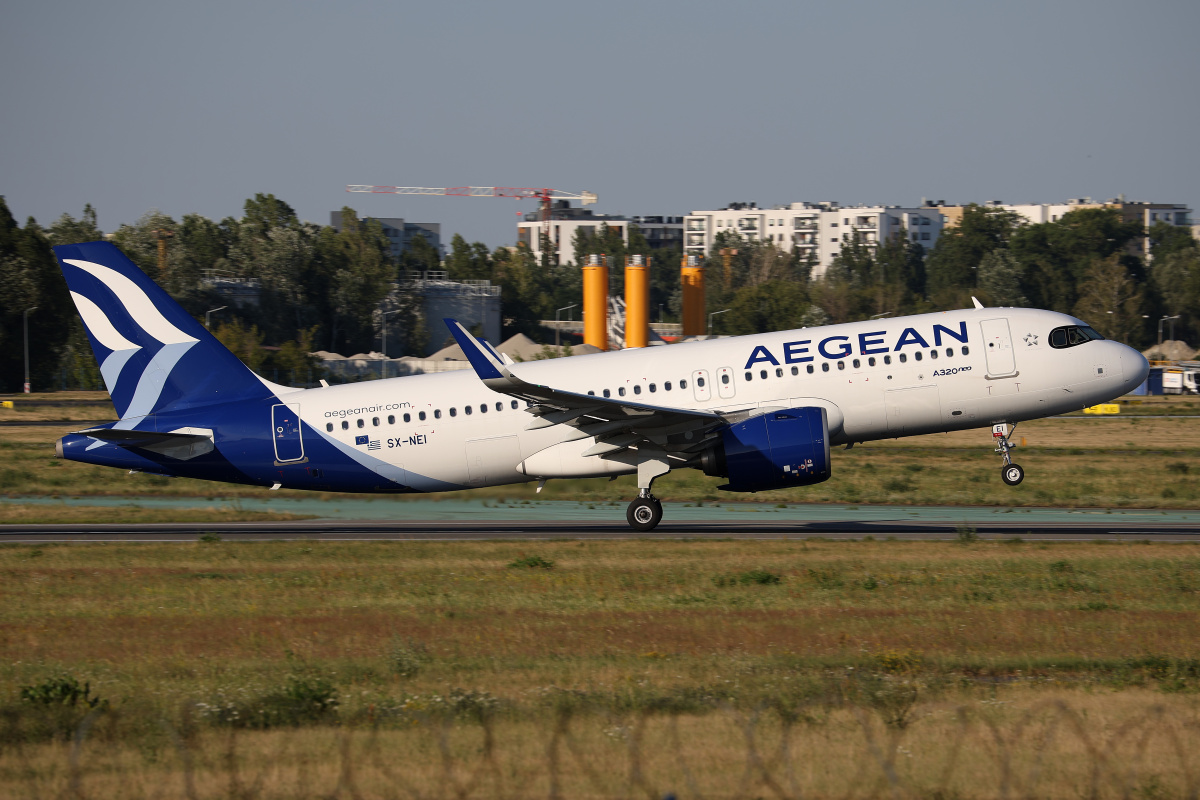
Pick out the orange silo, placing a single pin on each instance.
(691, 278)
(595, 302)
(637, 301)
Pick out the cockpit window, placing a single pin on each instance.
(1072, 335)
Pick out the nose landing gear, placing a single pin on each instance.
(1010, 473)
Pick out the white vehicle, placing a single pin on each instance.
(761, 411)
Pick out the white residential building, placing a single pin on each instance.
(1148, 214)
(566, 221)
(811, 228)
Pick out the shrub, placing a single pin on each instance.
(758, 577)
(407, 657)
(531, 562)
(1061, 567)
(1175, 466)
(898, 485)
(966, 534)
(301, 701)
(61, 691)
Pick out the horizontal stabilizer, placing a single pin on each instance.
(126, 438)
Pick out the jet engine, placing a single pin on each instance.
(775, 450)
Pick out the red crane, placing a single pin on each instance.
(544, 196)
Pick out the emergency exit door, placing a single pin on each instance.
(285, 431)
(997, 348)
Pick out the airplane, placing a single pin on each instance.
(761, 411)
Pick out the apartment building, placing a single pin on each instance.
(566, 221)
(818, 230)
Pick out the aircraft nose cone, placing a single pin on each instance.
(1134, 367)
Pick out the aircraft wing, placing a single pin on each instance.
(617, 424)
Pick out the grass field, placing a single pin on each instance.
(1148, 461)
(601, 669)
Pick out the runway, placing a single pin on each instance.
(1084, 529)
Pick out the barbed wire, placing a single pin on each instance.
(986, 757)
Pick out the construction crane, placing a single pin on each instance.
(544, 196)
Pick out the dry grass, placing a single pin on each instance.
(915, 668)
(43, 514)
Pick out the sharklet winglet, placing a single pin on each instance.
(486, 365)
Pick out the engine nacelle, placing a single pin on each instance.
(775, 450)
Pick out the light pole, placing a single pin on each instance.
(383, 344)
(710, 319)
(25, 328)
(210, 312)
(564, 308)
(1161, 321)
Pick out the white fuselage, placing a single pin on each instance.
(877, 379)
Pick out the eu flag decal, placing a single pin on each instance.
(360, 439)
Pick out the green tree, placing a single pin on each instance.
(1057, 257)
(1111, 301)
(774, 305)
(357, 263)
(1000, 279)
(954, 260)
(68, 230)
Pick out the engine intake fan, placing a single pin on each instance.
(775, 450)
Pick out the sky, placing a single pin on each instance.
(658, 107)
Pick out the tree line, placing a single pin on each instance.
(1086, 264)
(323, 288)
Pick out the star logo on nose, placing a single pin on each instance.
(1031, 339)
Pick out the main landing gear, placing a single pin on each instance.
(646, 512)
(1010, 473)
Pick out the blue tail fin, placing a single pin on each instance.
(153, 355)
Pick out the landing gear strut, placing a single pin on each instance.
(1010, 473)
(646, 512)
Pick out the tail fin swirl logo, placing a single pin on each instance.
(142, 312)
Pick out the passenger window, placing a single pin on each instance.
(514, 403)
(621, 391)
(329, 427)
(683, 384)
(591, 392)
(949, 352)
(637, 388)
(421, 416)
(871, 361)
(375, 421)
(391, 419)
(361, 422)
(453, 411)
(856, 363)
(483, 408)
(653, 388)
(749, 376)
(437, 413)
(607, 393)
(825, 366)
(408, 417)
(933, 353)
(841, 365)
(700, 382)
(887, 359)
(779, 372)
(467, 410)
(725, 378)
(917, 355)
(903, 358)
(667, 386)
(965, 350)
(810, 369)
(795, 370)
(345, 425)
